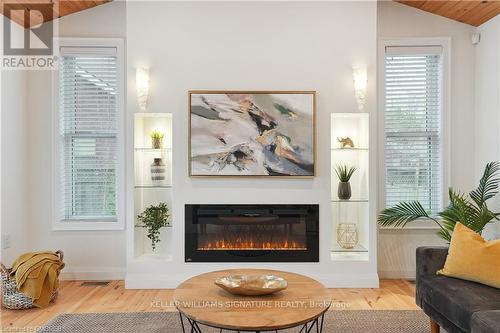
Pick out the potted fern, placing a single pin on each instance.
(471, 211)
(344, 173)
(153, 219)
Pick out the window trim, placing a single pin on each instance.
(58, 222)
(445, 43)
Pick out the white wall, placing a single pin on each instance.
(487, 120)
(252, 46)
(88, 254)
(206, 46)
(14, 166)
(396, 247)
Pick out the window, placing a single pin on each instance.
(413, 90)
(89, 138)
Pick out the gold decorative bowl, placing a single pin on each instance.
(251, 285)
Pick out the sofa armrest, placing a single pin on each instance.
(430, 259)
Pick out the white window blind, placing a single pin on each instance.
(413, 103)
(88, 107)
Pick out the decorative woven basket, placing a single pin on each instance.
(14, 299)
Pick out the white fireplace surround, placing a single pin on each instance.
(206, 46)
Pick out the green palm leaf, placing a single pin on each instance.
(401, 214)
(472, 213)
(445, 233)
(488, 185)
(459, 210)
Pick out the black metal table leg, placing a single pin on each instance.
(305, 328)
(182, 322)
(322, 321)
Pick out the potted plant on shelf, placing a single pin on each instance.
(473, 213)
(344, 173)
(157, 139)
(153, 219)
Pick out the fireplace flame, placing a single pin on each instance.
(251, 245)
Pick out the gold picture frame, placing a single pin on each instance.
(311, 93)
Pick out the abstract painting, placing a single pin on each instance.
(253, 133)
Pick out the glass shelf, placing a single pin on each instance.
(357, 248)
(153, 186)
(350, 200)
(349, 256)
(152, 150)
(350, 149)
(167, 226)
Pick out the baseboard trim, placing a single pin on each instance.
(397, 274)
(142, 281)
(155, 281)
(93, 274)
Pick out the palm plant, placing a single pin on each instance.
(471, 211)
(344, 173)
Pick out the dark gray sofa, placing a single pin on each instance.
(455, 305)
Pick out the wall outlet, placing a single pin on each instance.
(6, 241)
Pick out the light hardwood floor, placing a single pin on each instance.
(75, 298)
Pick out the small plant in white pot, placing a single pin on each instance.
(344, 173)
(153, 219)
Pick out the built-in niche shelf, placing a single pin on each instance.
(152, 181)
(350, 218)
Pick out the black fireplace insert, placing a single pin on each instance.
(252, 233)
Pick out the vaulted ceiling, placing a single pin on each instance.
(471, 12)
(59, 8)
(474, 12)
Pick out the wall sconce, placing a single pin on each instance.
(360, 78)
(142, 86)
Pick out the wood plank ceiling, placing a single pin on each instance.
(471, 12)
(61, 8)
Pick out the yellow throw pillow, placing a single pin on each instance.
(472, 258)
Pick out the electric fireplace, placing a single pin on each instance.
(252, 233)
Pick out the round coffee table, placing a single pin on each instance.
(200, 302)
